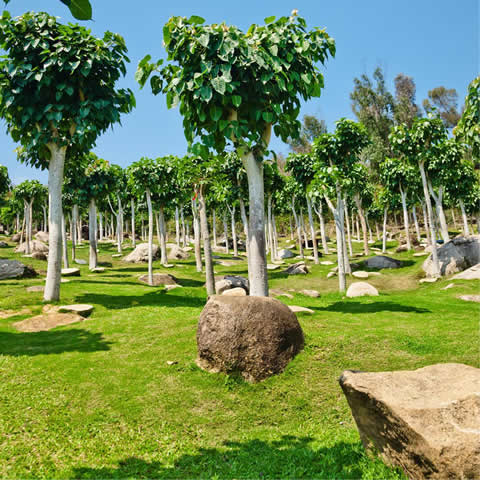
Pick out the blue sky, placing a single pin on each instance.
(434, 41)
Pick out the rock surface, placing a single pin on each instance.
(42, 236)
(310, 293)
(35, 246)
(3, 244)
(159, 279)
(360, 274)
(140, 254)
(381, 261)
(82, 309)
(71, 272)
(285, 253)
(39, 256)
(297, 269)
(35, 288)
(470, 298)
(360, 289)
(472, 273)
(177, 253)
(426, 421)
(235, 292)
(80, 261)
(255, 337)
(297, 309)
(16, 237)
(47, 321)
(14, 269)
(456, 255)
(228, 282)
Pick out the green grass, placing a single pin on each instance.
(98, 400)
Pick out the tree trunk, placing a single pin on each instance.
(312, 231)
(207, 250)
(74, 231)
(177, 226)
(119, 225)
(64, 242)
(384, 232)
(403, 196)
(273, 254)
(342, 282)
(45, 221)
(234, 232)
(299, 229)
(132, 208)
(425, 224)
(257, 259)
(292, 235)
(92, 234)
(361, 214)
(436, 264)
(438, 198)
(454, 219)
(304, 230)
(150, 237)
(349, 237)
(466, 229)
(28, 210)
(415, 221)
(214, 229)
(163, 237)
(184, 232)
(55, 181)
(319, 212)
(196, 233)
(225, 229)
(243, 216)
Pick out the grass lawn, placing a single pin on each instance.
(97, 399)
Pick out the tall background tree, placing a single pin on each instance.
(445, 101)
(405, 109)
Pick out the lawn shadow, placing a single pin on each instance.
(289, 457)
(157, 297)
(375, 307)
(51, 342)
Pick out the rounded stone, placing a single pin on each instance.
(235, 292)
(254, 337)
(360, 289)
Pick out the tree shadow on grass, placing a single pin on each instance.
(289, 457)
(158, 298)
(51, 342)
(375, 307)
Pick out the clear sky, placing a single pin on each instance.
(434, 41)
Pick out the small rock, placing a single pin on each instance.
(331, 274)
(3, 244)
(360, 274)
(117, 255)
(273, 267)
(297, 309)
(310, 293)
(71, 272)
(171, 362)
(297, 269)
(171, 287)
(235, 292)
(44, 322)
(82, 309)
(97, 270)
(470, 298)
(159, 279)
(80, 261)
(286, 295)
(420, 254)
(360, 289)
(285, 253)
(429, 280)
(450, 285)
(472, 273)
(327, 262)
(381, 261)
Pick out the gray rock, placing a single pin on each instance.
(39, 255)
(381, 261)
(310, 293)
(235, 292)
(3, 244)
(15, 269)
(297, 309)
(228, 282)
(297, 269)
(16, 237)
(140, 254)
(42, 236)
(70, 272)
(177, 253)
(80, 261)
(285, 253)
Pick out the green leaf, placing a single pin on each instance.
(269, 19)
(196, 20)
(218, 84)
(81, 9)
(204, 39)
(236, 100)
(268, 117)
(215, 113)
(206, 93)
(166, 36)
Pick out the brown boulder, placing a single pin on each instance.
(426, 421)
(159, 279)
(255, 337)
(39, 256)
(140, 254)
(297, 269)
(35, 246)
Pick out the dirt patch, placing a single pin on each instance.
(42, 323)
(12, 313)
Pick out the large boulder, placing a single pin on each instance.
(456, 255)
(159, 279)
(177, 253)
(228, 282)
(285, 253)
(299, 268)
(39, 255)
(42, 236)
(35, 246)
(381, 261)
(361, 289)
(16, 237)
(254, 337)
(140, 254)
(472, 273)
(15, 269)
(426, 421)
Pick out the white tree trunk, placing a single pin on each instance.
(403, 196)
(28, 228)
(119, 225)
(214, 229)
(196, 234)
(415, 221)
(466, 229)
(184, 232)
(312, 231)
(436, 264)
(349, 236)
(234, 232)
(177, 226)
(150, 237)
(92, 234)
(74, 230)
(55, 181)
(438, 198)
(207, 250)
(298, 226)
(321, 218)
(225, 229)
(425, 223)
(257, 259)
(163, 237)
(132, 208)
(384, 232)
(64, 242)
(273, 253)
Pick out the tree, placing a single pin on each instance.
(405, 109)
(311, 128)
(80, 9)
(235, 87)
(5, 182)
(468, 128)
(445, 100)
(58, 83)
(420, 145)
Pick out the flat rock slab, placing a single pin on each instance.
(97, 270)
(171, 287)
(472, 273)
(470, 298)
(159, 279)
(429, 280)
(450, 285)
(297, 309)
(82, 309)
(310, 293)
(71, 272)
(80, 261)
(44, 322)
(235, 292)
(421, 254)
(331, 274)
(360, 274)
(36, 288)
(381, 261)
(327, 262)
(117, 255)
(273, 267)
(361, 289)
(297, 269)
(426, 421)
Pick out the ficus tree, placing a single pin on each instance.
(420, 145)
(5, 182)
(234, 87)
(80, 9)
(58, 83)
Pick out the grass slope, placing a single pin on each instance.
(98, 400)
